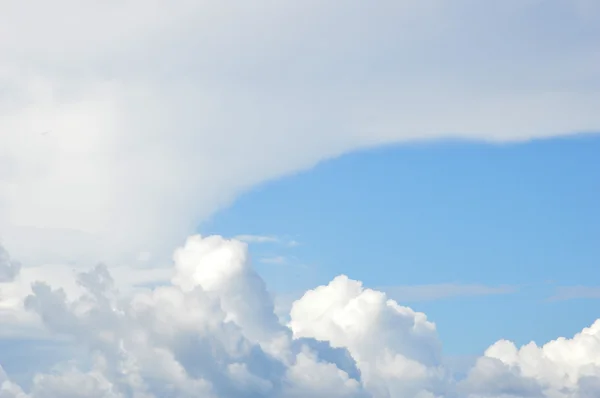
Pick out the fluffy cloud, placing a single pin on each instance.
(124, 124)
(212, 332)
(395, 348)
(560, 368)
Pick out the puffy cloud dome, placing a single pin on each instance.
(212, 332)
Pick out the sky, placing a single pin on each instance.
(503, 233)
(389, 199)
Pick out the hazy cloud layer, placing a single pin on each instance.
(124, 124)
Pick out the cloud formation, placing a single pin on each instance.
(444, 290)
(258, 238)
(212, 332)
(9, 269)
(124, 124)
(279, 260)
(575, 292)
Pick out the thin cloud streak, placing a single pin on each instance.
(563, 293)
(250, 238)
(257, 238)
(279, 260)
(440, 291)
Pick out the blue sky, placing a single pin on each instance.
(523, 217)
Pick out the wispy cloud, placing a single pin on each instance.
(249, 238)
(274, 260)
(575, 292)
(443, 290)
(258, 238)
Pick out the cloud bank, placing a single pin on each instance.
(212, 332)
(124, 124)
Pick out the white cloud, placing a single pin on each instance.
(560, 368)
(123, 133)
(395, 348)
(406, 294)
(212, 332)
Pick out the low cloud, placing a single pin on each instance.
(212, 332)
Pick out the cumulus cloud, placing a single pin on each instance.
(395, 348)
(212, 332)
(124, 124)
(560, 368)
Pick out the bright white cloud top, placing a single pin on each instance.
(212, 332)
